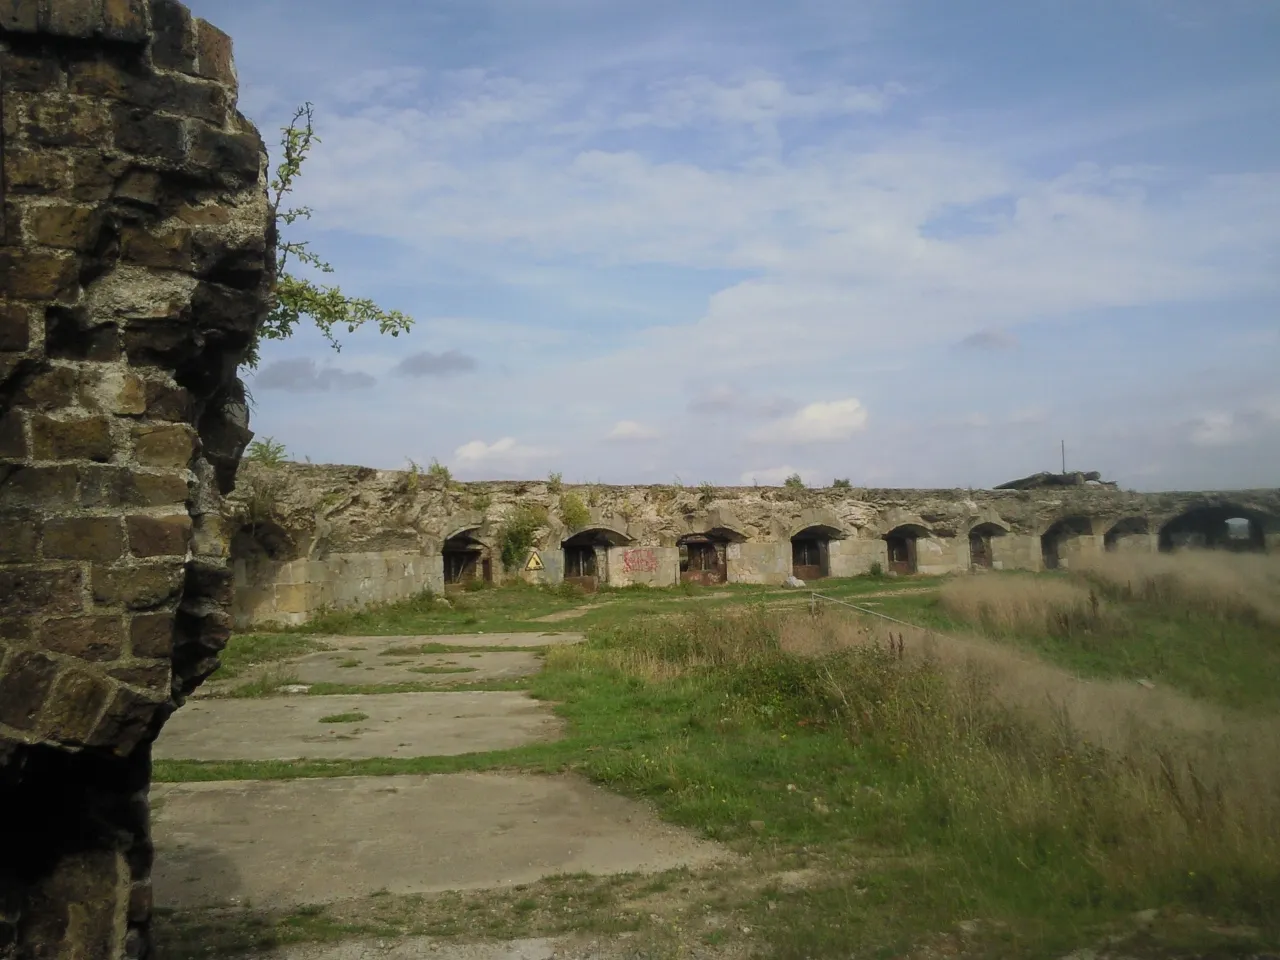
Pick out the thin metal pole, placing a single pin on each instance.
(1064, 456)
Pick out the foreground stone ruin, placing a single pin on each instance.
(310, 537)
(136, 258)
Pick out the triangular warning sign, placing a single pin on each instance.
(535, 562)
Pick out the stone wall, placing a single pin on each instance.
(136, 258)
(313, 536)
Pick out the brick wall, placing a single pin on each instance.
(135, 260)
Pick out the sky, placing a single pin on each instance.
(903, 242)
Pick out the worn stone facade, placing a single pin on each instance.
(136, 260)
(307, 537)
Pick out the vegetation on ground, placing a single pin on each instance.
(954, 773)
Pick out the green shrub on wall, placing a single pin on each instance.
(573, 511)
(517, 534)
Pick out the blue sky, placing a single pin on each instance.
(907, 242)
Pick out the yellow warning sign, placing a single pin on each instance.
(535, 562)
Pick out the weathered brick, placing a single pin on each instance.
(24, 683)
(88, 638)
(119, 486)
(141, 898)
(74, 706)
(19, 536)
(151, 635)
(165, 402)
(213, 49)
(233, 156)
(138, 588)
(174, 44)
(20, 73)
(35, 171)
(20, 16)
(57, 121)
(13, 440)
(174, 94)
(140, 186)
(16, 630)
(125, 722)
(72, 18)
(36, 274)
(210, 581)
(159, 536)
(155, 676)
(163, 445)
(48, 590)
(141, 132)
(206, 215)
(40, 486)
(63, 225)
(124, 20)
(170, 250)
(83, 538)
(51, 389)
(85, 439)
(15, 326)
(94, 175)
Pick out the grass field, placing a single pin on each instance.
(956, 772)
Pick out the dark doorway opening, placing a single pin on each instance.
(465, 560)
(703, 559)
(1114, 538)
(1053, 539)
(586, 557)
(811, 553)
(1216, 528)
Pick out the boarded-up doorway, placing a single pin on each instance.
(900, 544)
(811, 553)
(586, 557)
(704, 559)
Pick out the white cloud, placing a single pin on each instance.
(632, 430)
(822, 422)
(1217, 430)
(503, 453)
(775, 476)
(1029, 415)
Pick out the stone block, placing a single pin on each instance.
(159, 536)
(19, 16)
(165, 402)
(170, 250)
(25, 680)
(212, 582)
(63, 225)
(51, 389)
(94, 175)
(20, 73)
(88, 638)
(15, 630)
(124, 20)
(155, 676)
(151, 635)
(19, 536)
(213, 54)
(37, 275)
(99, 539)
(168, 446)
(48, 590)
(234, 156)
(80, 19)
(103, 486)
(53, 120)
(13, 438)
(41, 487)
(125, 722)
(35, 171)
(141, 187)
(88, 438)
(137, 588)
(74, 705)
(15, 327)
(173, 45)
(139, 131)
(75, 901)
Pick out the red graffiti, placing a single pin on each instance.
(640, 560)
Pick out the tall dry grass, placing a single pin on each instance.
(1005, 605)
(1228, 584)
(1102, 790)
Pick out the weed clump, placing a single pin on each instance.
(573, 511)
(517, 534)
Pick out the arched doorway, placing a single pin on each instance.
(811, 552)
(704, 557)
(586, 556)
(1225, 527)
(981, 548)
(900, 547)
(1053, 541)
(1127, 533)
(466, 559)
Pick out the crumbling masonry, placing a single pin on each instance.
(135, 262)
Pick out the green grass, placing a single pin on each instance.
(860, 768)
(352, 716)
(442, 670)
